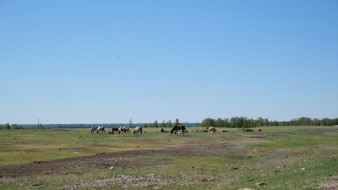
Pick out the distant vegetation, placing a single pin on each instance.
(234, 122)
(243, 122)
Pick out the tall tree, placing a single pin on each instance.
(163, 125)
(219, 123)
(40, 126)
(177, 122)
(130, 124)
(155, 124)
(7, 126)
(208, 122)
(169, 124)
(226, 122)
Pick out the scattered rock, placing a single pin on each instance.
(303, 169)
(250, 156)
(250, 179)
(211, 179)
(234, 168)
(260, 184)
(246, 189)
(212, 169)
(111, 168)
(208, 180)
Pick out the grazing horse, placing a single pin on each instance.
(137, 129)
(211, 129)
(93, 129)
(100, 128)
(115, 130)
(127, 129)
(176, 128)
(122, 130)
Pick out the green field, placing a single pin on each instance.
(281, 157)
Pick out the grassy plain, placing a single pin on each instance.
(281, 157)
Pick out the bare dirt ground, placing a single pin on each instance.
(125, 159)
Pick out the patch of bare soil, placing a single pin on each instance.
(329, 185)
(121, 182)
(146, 181)
(125, 159)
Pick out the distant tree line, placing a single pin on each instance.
(243, 122)
(168, 124)
(234, 122)
(163, 124)
(12, 126)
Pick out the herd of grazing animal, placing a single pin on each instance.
(114, 130)
(174, 130)
(119, 130)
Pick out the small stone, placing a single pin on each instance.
(212, 169)
(212, 179)
(111, 168)
(260, 184)
(250, 179)
(35, 184)
(303, 169)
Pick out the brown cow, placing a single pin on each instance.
(211, 129)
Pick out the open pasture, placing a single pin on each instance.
(281, 157)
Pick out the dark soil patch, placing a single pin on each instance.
(125, 159)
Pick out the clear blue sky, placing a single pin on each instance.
(111, 61)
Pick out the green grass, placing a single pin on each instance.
(276, 156)
(23, 146)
